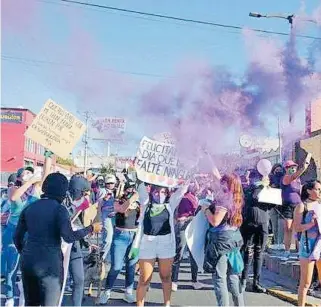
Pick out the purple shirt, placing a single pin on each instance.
(291, 193)
(187, 206)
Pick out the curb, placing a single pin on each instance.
(288, 297)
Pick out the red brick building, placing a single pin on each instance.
(16, 150)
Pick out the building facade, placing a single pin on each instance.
(16, 150)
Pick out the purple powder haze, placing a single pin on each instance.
(205, 108)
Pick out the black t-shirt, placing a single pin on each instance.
(255, 212)
(129, 219)
(156, 220)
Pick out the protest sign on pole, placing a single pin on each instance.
(111, 129)
(157, 163)
(56, 129)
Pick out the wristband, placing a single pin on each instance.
(48, 153)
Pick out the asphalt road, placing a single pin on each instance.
(185, 296)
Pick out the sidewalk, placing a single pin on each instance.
(281, 278)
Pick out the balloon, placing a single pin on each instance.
(264, 167)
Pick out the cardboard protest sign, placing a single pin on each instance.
(157, 163)
(56, 129)
(111, 129)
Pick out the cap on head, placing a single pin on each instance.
(12, 179)
(289, 163)
(110, 179)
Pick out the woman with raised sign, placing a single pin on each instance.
(156, 238)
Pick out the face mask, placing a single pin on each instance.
(26, 177)
(210, 197)
(162, 198)
(292, 171)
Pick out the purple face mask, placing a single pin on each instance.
(158, 197)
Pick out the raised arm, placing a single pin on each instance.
(178, 195)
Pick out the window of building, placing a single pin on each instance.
(28, 163)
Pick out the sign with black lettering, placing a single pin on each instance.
(157, 163)
(11, 117)
(56, 129)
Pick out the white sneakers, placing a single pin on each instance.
(105, 296)
(196, 285)
(174, 286)
(129, 298)
(9, 302)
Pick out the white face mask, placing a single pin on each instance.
(162, 198)
(26, 177)
(210, 197)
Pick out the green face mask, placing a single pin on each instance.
(292, 170)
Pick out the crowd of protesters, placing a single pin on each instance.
(141, 224)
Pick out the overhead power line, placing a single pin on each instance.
(42, 62)
(187, 20)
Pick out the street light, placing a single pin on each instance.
(290, 19)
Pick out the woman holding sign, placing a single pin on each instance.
(256, 223)
(156, 239)
(305, 223)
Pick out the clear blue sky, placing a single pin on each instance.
(49, 34)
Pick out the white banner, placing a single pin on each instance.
(157, 163)
(111, 129)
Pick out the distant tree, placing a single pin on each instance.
(107, 169)
(67, 161)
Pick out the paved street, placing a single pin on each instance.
(185, 296)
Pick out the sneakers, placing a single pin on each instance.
(9, 302)
(198, 286)
(104, 297)
(129, 298)
(174, 286)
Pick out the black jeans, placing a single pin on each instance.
(42, 277)
(180, 247)
(255, 239)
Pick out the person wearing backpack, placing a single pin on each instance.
(305, 223)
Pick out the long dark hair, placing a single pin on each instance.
(306, 187)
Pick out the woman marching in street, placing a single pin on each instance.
(26, 191)
(305, 224)
(255, 230)
(222, 253)
(185, 213)
(41, 255)
(126, 222)
(156, 239)
(291, 190)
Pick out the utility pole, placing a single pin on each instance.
(290, 19)
(280, 141)
(86, 142)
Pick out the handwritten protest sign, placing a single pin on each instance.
(56, 129)
(157, 163)
(111, 129)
